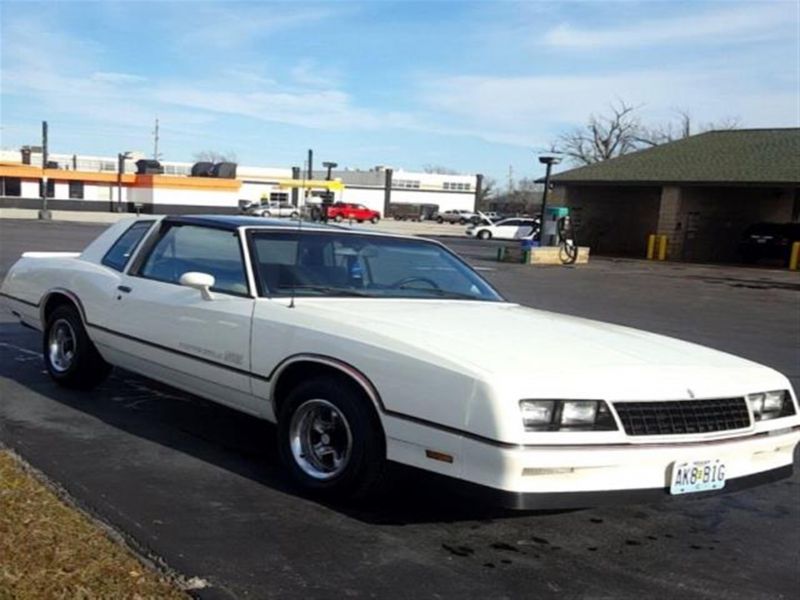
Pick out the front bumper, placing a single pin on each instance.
(579, 476)
(568, 500)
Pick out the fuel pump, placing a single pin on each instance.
(557, 230)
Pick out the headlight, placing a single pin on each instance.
(566, 415)
(771, 405)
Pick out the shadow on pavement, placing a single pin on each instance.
(239, 443)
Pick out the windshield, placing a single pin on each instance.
(343, 264)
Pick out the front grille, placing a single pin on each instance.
(683, 416)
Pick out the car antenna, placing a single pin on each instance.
(299, 231)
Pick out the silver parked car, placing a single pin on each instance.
(462, 217)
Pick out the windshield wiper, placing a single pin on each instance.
(445, 293)
(326, 289)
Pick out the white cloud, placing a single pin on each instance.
(233, 27)
(741, 22)
(117, 78)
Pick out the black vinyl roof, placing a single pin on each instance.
(234, 222)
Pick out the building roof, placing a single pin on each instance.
(737, 156)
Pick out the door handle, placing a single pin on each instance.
(124, 288)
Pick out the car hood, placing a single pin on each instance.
(542, 350)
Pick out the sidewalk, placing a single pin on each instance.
(64, 215)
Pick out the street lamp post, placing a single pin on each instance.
(549, 161)
(330, 166)
(121, 157)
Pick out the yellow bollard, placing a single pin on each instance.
(794, 257)
(651, 246)
(662, 247)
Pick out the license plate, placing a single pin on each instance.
(697, 476)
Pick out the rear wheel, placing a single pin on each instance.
(69, 355)
(294, 215)
(338, 218)
(330, 439)
(440, 220)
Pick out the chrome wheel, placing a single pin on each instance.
(320, 439)
(61, 347)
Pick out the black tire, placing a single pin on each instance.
(338, 218)
(374, 220)
(484, 234)
(364, 473)
(86, 368)
(440, 220)
(294, 215)
(462, 221)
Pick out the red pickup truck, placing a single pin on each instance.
(340, 211)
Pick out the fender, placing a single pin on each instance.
(72, 296)
(362, 380)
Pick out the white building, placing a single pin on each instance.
(78, 182)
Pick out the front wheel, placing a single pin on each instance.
(374, 220)
(70, 356)
(294, 215)
(484, 235)
(331, 440)
(338, 218)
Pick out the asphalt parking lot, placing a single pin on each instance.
(197, 486)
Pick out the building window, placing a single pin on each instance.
(457, 187)
(279, 197)
(409, 184)
(51, 188)
(10, 186)
(76, 190)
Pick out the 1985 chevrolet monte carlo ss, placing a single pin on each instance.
(366, 348)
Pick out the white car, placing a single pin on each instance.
(507, 229)
(354, 343)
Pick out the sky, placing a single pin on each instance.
(477, 87)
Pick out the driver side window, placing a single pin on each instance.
(185, 248)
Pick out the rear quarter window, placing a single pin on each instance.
(120, 252)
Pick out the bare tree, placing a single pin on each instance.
(683, 126)
(214, 157)
(439, 169)
(486, 194)
(622, 131)
(603, 137)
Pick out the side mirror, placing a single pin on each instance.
(199, 281)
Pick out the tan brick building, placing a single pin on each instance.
(701, 192)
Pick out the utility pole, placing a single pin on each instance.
(310, 164)
(156, 155)
(44, 213)
(510, 179)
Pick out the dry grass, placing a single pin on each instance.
(50, 550)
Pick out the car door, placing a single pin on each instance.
(170, 332)
(506, 230)
(525, 229)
